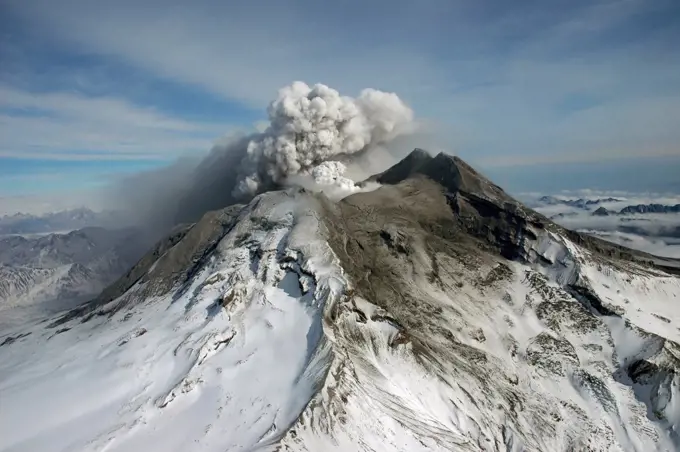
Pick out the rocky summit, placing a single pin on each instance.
(434, 313)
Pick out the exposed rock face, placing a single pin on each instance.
(475, 205)
(548, 353)
(450, 172)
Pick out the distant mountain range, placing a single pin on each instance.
(639, 209)
(60, 270)
(650, 208)
(600, 210)
(24, 286)
(579, 203)
(66, 220)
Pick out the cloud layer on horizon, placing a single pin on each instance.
(655, 233)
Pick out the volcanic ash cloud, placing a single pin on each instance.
(312, 125)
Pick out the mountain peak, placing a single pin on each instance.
(450, 171)
(601, 212)
(484, 210)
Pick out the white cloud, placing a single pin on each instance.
(652, 224)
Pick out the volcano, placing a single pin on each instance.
(435, 313)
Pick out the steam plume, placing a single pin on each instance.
(332, 173)
(308, 126)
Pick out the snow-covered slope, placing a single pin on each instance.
(434, 313)
(227, 361)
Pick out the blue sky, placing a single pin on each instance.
(92, 89)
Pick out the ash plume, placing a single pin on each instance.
(311, 125)
(333, 173)
(310, 131)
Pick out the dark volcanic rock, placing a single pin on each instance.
(480, 207)
(484, 210)
(449, 171)
(597, 389)
(406, 168)
(12, 339)
(551, 354)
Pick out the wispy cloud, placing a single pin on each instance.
(72, 126)
(102, 109)
(238, 50)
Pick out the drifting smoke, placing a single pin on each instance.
(308, 126)
(332, 173)
(309, 132)
(329, 178)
